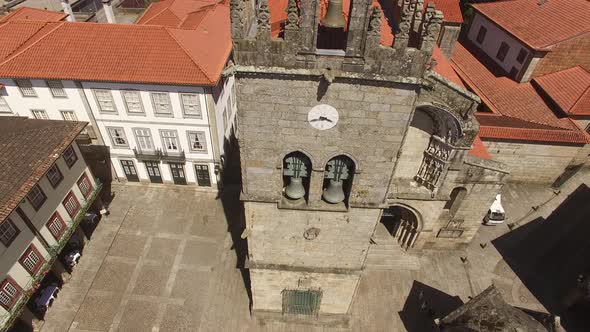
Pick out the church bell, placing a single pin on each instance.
(334, 18)
(334, 192)
(295, 189)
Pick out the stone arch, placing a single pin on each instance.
(289, 151)
(296, 174)
(456, 199)
(405, 225)
(356, 162)
(446, 124)
(338, 179)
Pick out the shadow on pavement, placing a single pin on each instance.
(549, 255)
(423, 305)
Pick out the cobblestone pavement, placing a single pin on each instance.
(164, 261)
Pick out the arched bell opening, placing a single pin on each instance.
(402, 224)
(338, 176)
(332, 33)
(296, 176)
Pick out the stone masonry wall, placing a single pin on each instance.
(267, 285)
(532, 162)
(276, 236)
(273, 122)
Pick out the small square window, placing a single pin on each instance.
(502, 51)
(85, 186)
(40, 114)
(4, 108)
(32, 260)
(71, 205)
(57, 89)
(70, 156)
(481, 35)
(161, 101)
(26, 88)
(118, 136)
(105, 101)
(190, 104)
(56, 225)
(196, 141)
(9, 292)
(8, 232)
(54, 175)
(36, 197)
(521, 56)
(133, 101)
(68, 115)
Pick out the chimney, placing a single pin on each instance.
(68, 10)
(108, 11)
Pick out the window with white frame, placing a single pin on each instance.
(32, 260)
(4, 108)
(71, 205)
(132, 101)
(9, 293)
(143, 137)
(105, 101)
(40, 114)
(170, 140)
(161, 101)
(85, 186)
(8, 232)
(56, 225)
(69, 115)
(57, 89)
(196, 141)
(26, 88)
(70, 156)
(54, 175)
(190, 104)
(36, 197)
(118, 136)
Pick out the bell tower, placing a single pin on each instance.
(326, 94)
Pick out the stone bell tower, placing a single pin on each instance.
(326, 97)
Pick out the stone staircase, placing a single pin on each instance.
(386, 254)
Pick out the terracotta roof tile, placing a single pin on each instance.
(479, 150)
(539, 23)
(117, 52)
(443, 67)
(171, 13)
(569, 89)
(450, 8)
(540, 135)
(33, 14)
(28, 147)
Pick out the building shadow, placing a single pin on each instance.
(423, 305)
(98, 159)
(549, 254)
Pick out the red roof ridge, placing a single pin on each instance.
(20, 51)
(180, 44)
(8, 17)
(151, 18)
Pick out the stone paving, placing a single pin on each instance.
(164, 261)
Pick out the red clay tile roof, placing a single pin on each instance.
(450, 8)
(34, 14)
(479, 150)
(569, 89)
(174, 13)
(117, 52)
(525, 114)
(539, 23)
(28, 147)
(444, 68)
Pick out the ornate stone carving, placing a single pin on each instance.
(436, 157)
(236, 14)
(418, 7)
(263, 16)
(431, 28)
(292, 15)
(375, 21)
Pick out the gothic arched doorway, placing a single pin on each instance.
(402, 224)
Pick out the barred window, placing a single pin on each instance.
(57, 89)
(190, 104)
(105, 101)
(56, 225)
(71, 204)
(8, 232)
(26, 88)
(161, 101)
(54, 175)
(36, 197)
(70, 156)
(85, 186)
(31, 260)
(132, 101)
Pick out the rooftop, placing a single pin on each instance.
(28, 147)
(569, 89)
(560, 19)
(142, 53)
(27, 13)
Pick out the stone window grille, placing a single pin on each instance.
(301, 302)
(436, 158)
(57, 89)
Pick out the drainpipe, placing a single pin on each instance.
(108, 11)
(68, 10)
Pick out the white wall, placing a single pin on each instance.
(227, 97)
(9, 257)
(493, 39)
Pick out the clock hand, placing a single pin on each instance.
(323, 118)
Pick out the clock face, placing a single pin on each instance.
(322, 117)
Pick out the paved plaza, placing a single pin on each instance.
(164, 261)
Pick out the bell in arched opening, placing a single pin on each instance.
(295, 169)
(337, 177)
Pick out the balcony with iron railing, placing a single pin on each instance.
(7, 320)
(177, 155)
(151, 154)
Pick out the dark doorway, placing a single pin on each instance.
(203, 178)
(177, 171)
(153, 171)
(402, 224)
(130, 171)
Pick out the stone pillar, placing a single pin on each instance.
(68, 10)
(309, 24)
(108, 11)
(315, 186)
(403, 36)
(357, 27)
